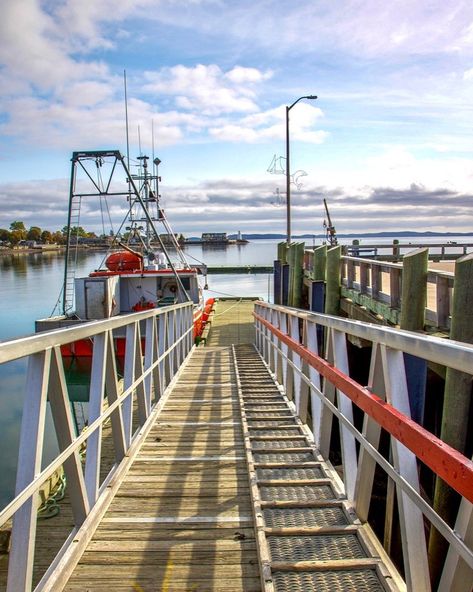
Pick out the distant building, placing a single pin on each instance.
(214, 237)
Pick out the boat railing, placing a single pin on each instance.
(308, 354)
(150, 366)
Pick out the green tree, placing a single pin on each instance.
(18, 231)
(75, 231)
(16, 236)
(5, 235)
(34, 233)
(58, 237)
(46, 237)
(17, 225)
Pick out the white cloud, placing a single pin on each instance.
(271, 125)
(239, 75)
(206, 88)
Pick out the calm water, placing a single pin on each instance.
(29, 288)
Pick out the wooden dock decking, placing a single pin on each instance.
(182, 519)
(227, 492)
(225, 455)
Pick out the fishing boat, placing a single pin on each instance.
(141, 270)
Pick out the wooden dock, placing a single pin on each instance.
(227, 491)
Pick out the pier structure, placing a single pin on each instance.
(260, 460)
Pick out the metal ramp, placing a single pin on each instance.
(309, 537)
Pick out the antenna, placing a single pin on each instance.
(126, 120)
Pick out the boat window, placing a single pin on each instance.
(186, 283)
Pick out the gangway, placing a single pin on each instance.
(220, 477)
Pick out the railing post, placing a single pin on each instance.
(376, 282)
(411, 519)
(371, 431)
(311, 342)
(395, 287)
(20, 568)
(347, 440)
(364, 274)
(94, 442)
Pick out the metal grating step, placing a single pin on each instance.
(290, 473)
(292, 432)
(308, 537)
(298, 493)
(283, 457)
(276, 444)
(304, 517)
(273, 423)
(365, 580)
(315, 548)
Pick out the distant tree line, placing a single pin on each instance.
(18, 232)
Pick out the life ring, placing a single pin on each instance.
(170, 287)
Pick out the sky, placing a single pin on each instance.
(388, 142)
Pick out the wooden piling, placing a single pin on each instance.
(414, 289)
(333, 281)
(456, 406)
(277, 283)
(282, 252)
(396, 250)
(298, 273)
(320, 263)
(413, 302)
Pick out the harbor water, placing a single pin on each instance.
(30, 287)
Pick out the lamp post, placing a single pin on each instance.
(288, 168)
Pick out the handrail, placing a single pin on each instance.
(321, 388)
(454, 468)
(370, 289)
(168, 340)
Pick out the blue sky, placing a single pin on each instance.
(388, 142)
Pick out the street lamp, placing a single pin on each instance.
(288, 168)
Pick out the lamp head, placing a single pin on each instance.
(311, 97)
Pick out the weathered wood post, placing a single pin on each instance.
(333, 281)
(317, 295)
(396, 250)
(279, 273)
(355, 251)
(298, 274)
(413, 301)
(456, 405)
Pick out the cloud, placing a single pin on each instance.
(369, 28)
(271, 125)
(249, 204)
(206, 88)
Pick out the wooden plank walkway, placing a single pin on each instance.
(228, 493)
(182, 518)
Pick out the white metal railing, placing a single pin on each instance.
(381, 282)
(321, 389)
(150, 367)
